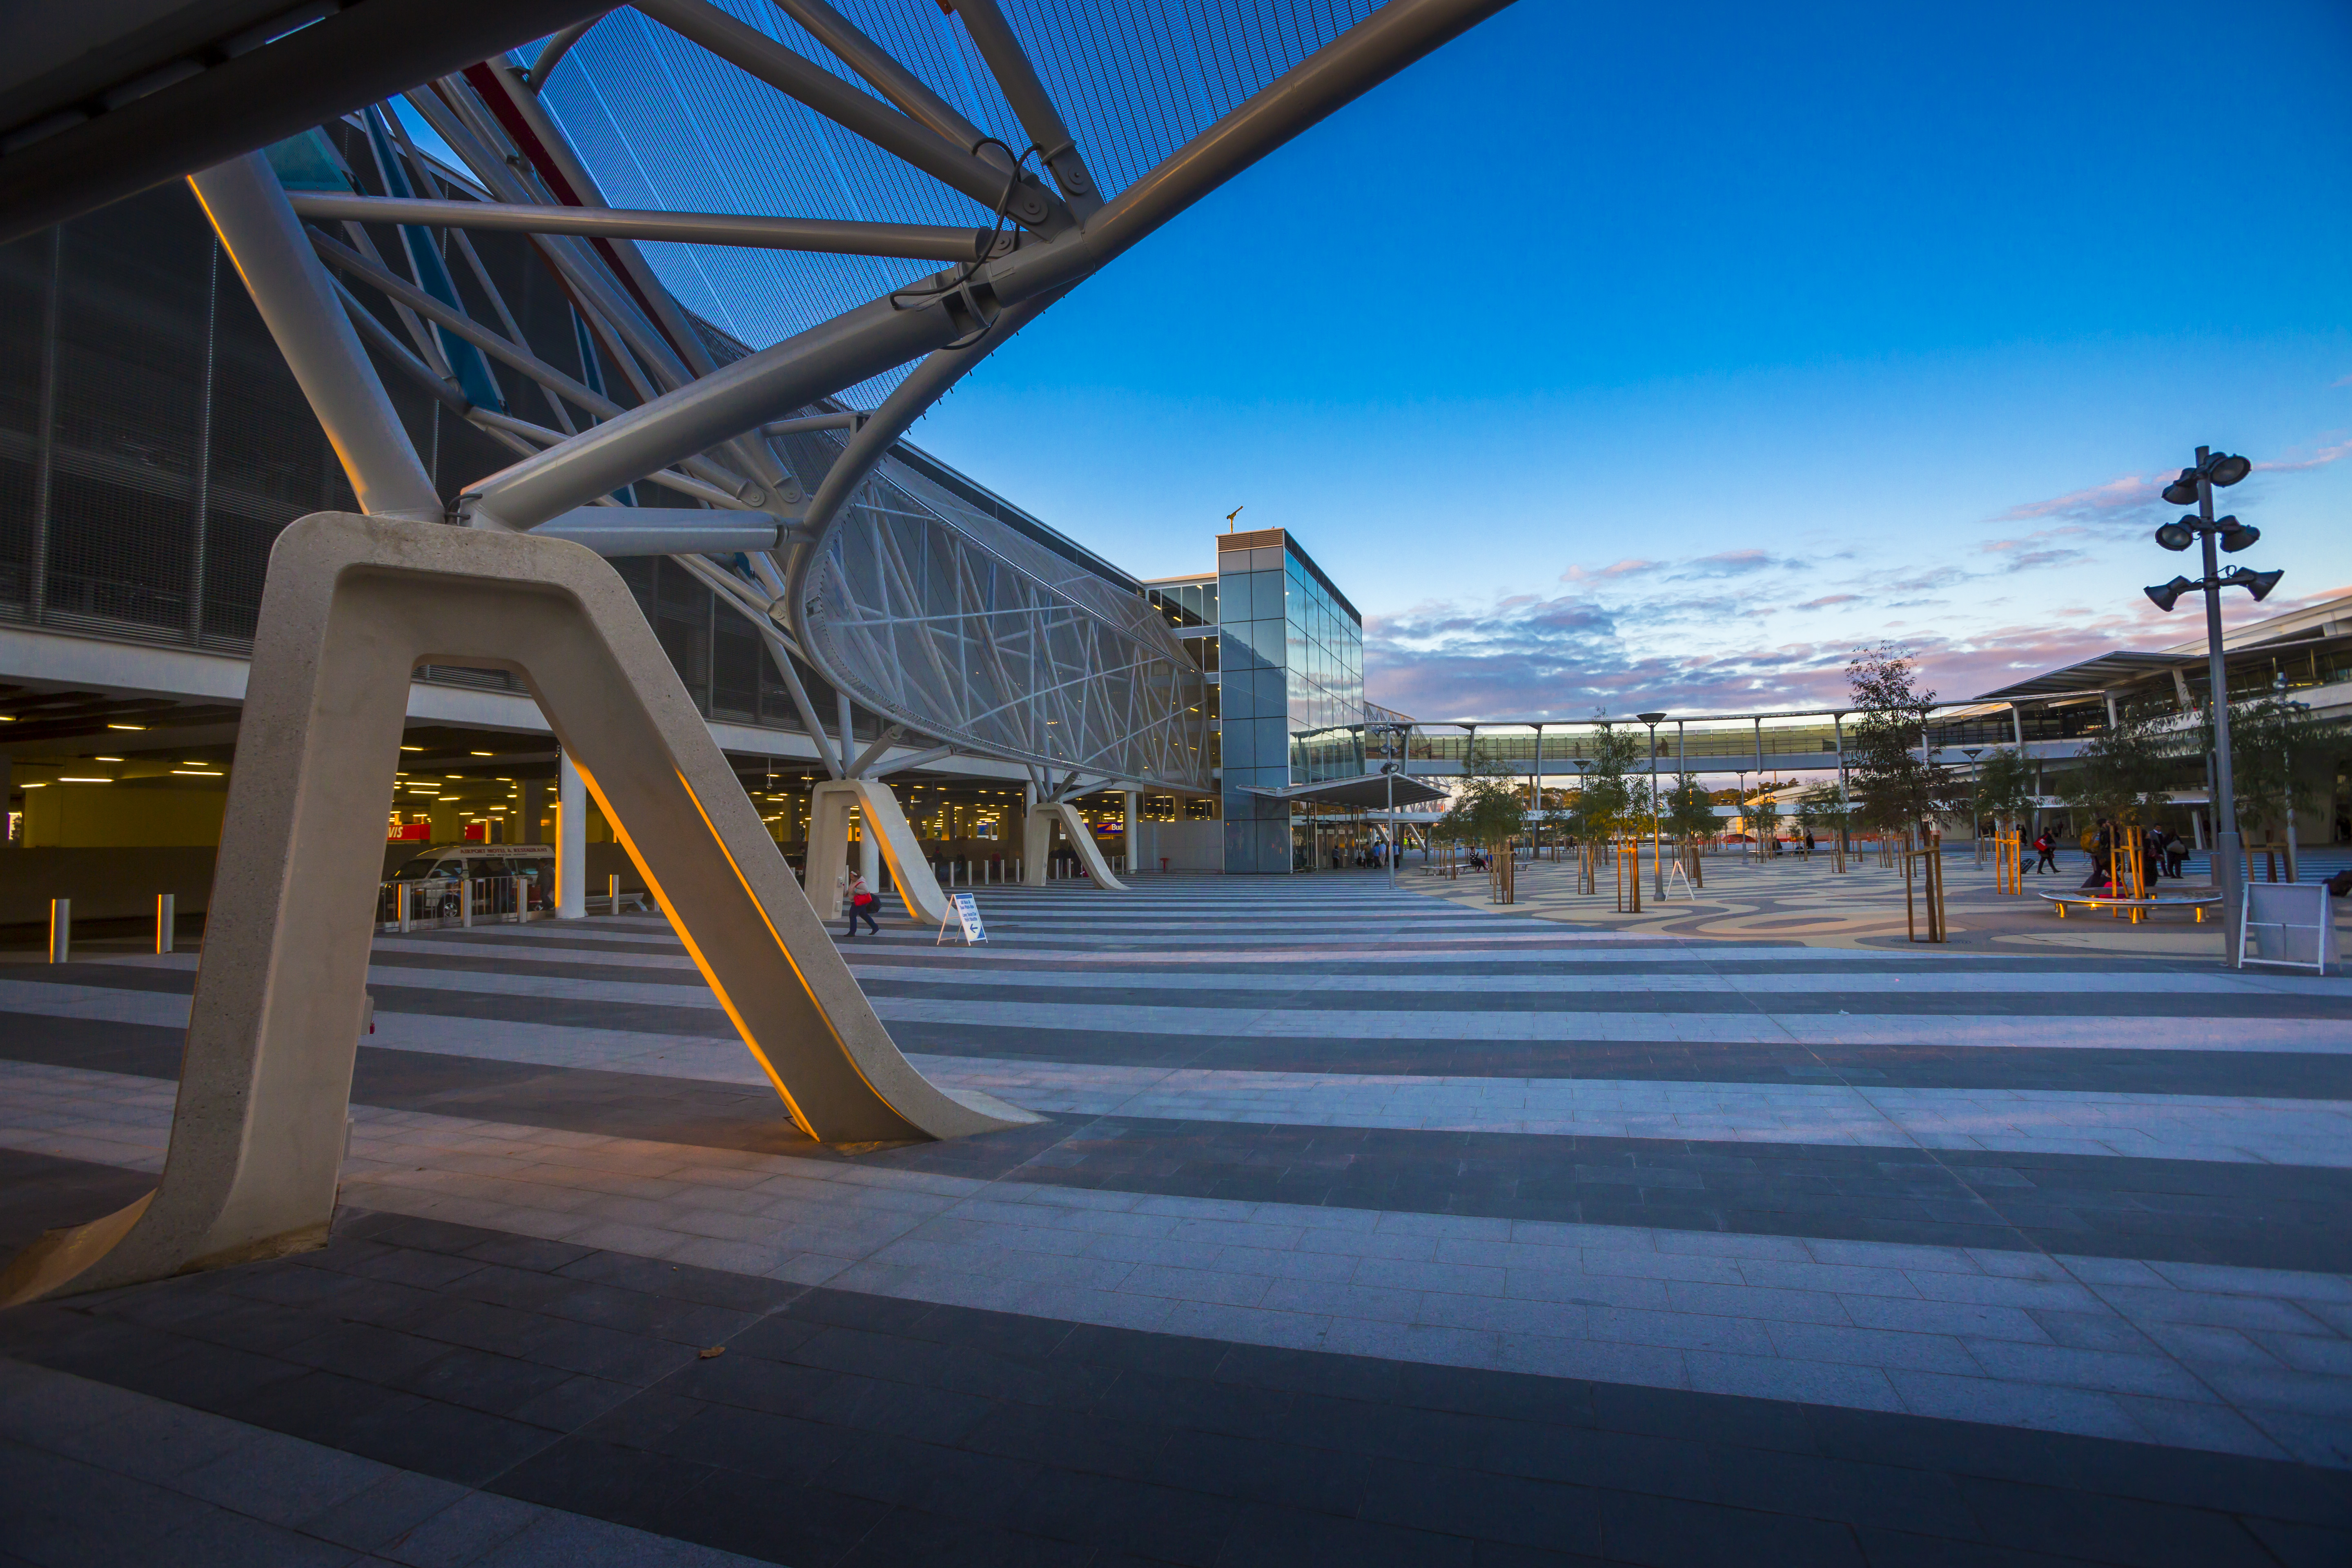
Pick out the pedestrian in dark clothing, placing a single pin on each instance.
(2175, 855)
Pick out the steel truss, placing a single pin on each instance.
(941, 619)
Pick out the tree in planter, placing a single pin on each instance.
(1890, 788)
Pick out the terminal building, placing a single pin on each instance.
(153, 445)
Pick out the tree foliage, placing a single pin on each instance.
(1689, 808)
(1822, 809)
(2124, 773)
(1486, 809)
(1614, 800)
(2004, 785)
(1891, 787)
(2272, 740)
(1763, 815)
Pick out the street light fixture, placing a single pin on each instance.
(1657, 868)
(2196, 485)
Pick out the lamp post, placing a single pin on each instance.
(1657, 871)
(2196, 485)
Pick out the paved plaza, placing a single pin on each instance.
(1367, 1227)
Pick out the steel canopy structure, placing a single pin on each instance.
(914, 139)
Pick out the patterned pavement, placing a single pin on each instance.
(1366, 1227)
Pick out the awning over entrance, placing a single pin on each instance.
(1370, 792)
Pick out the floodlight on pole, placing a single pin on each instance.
(2177, 535)
(2196, 485)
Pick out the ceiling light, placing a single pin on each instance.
(412, 748)
(193, 774)
(481, 753)
(106, 758)
(126, 726)
(67, 778)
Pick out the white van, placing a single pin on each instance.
(434, 876)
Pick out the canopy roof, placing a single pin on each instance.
(2103, 673)
(1368, 791)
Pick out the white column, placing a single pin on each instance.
(1133, 831)
(870, 851)
(570, 842)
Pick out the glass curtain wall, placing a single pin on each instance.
(1291, 658)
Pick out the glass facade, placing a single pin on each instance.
(1291, 671)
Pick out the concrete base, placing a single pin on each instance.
(887, 828)
(352, 604)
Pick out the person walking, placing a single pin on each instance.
(2047, 848)
(861, 907)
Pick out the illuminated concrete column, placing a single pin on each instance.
(571, 841)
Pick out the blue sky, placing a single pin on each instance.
(1647, 355)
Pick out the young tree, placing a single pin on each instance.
(1764, 821)
(1488, 809)
(2126, 773)
(1822, 808)
(1891, 787)
(2272, 743)
(1614, 800)
(1689, 809)
(2004, 785)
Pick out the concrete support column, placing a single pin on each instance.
(870, 850)
(1037, 838)
(570, 842)
(1132, 831)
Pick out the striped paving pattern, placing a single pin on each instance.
(2070, 1193)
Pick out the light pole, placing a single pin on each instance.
(2196, 485)
(1657, 871)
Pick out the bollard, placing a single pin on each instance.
(399, 903)
(60, 929)
(613, 893)
(164, 917)
(465, 901)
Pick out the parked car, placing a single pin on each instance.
(434, 876)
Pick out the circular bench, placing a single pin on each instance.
(2196, 903)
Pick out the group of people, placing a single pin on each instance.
(1365, 857)
(2160, 852)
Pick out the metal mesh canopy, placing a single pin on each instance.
(867, 199)
(663, 125)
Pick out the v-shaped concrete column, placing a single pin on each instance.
(353, 606)
(1037, 844)
(828, 852)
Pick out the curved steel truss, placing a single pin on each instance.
(910, 601)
